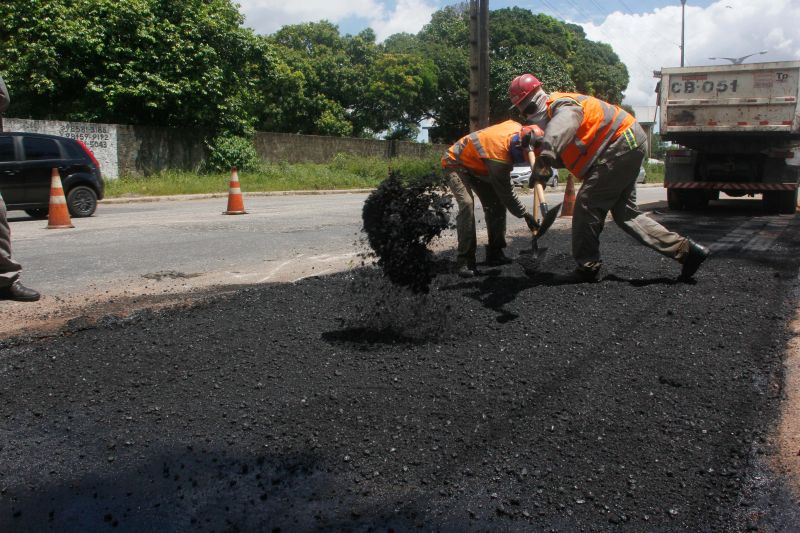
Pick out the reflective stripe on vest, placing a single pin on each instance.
(602, 124)
(489, 143)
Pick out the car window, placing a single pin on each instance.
(6, 149)
(74, 151)
(39, 148)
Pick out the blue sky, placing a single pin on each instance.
(644, 33)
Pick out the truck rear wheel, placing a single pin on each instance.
(674, 200)
(781, 202)
(694, 199)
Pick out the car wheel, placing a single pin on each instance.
(37, 213)
(81, 201)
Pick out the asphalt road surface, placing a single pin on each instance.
(509, 402)
(281, 239)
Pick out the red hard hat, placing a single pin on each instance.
(522, 87)
(536, 132)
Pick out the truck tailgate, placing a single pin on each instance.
(756, 97)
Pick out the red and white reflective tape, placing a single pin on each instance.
(722, 185)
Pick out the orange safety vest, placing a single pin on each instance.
(493, 143)
(602, 124)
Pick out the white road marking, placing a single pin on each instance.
(277, 268)
(320, 273)
(756, 235)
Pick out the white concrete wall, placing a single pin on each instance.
(101, 139)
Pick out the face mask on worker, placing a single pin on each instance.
(536, 110)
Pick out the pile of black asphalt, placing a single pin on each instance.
(507, 402)
(401, 217)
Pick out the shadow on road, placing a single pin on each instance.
(197, 489)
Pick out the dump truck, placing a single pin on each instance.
(735, 127)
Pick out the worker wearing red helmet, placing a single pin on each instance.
(603, 146)
(481, 163)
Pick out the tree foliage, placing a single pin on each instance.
(170, 62)
(191, 63)
(520, 41)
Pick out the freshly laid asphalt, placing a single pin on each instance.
(507, 402)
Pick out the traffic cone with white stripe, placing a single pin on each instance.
(58, 213)
(235, 200)
(568, 206)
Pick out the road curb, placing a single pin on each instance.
(206, 196)
(188, 197)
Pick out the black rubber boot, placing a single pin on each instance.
(496, 257)
(19, 293)
(697, 254)
(584, 274)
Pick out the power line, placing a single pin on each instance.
(624, 5)
(632, 53)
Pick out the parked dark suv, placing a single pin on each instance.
(26, 162)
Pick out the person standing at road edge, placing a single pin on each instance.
(10, 286)
(603, 146)
(481, 162)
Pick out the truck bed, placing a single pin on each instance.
(745, 99)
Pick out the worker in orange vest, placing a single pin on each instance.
(481, 163)
(603, 146)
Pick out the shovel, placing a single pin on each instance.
(548, 216)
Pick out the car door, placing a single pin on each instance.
(41, 155)
(11, 186)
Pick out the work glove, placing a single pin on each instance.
(533, 225)
(543, 168)
(529, 136)
(541, 179)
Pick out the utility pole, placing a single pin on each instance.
(479, 64)
(683, 9)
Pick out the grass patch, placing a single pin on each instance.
(655, 173)
(343, 172)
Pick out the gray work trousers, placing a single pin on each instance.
(9, 269)
(463, 184)
(611, 186)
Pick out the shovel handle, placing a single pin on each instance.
(538, 192)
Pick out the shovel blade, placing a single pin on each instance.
(532, 260)
(548, 219)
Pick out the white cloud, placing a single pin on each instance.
(730, 28)
(409, 16)
(268, 16)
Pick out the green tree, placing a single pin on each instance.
(596, 69)
(352, 86)
(520, 41)
(553, 73)
(160, 62)
(515, 27)
(445, 42)
(398, 93)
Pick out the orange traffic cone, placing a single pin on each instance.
(235, 200)
(58, 214)
(568, 206)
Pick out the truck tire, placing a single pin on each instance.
(780, 202)
(694, 199)
(674, 200)
(787, 202)
(769, 202)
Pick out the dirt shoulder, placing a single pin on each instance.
(788, 460)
